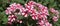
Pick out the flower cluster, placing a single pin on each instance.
(12, 10)
(11, 18)
(40, 14)
(55, 18)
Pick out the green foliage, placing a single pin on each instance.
(18, 1)
(3, 18)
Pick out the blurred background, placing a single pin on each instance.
(5, 3)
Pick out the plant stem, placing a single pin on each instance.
(26, 1)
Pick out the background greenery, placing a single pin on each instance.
(5, 3)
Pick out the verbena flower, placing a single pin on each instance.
(40, 14)
(55, 18)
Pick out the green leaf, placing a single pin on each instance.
(5, 1)
(18, 1)
(19, 17)
(4, 18)
(46, 1)
(1, 9)
(51, 1)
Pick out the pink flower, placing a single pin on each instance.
(11, 18)
(41, 22)
(26, 15)
(32, 3)
(40, 14)
(48, 24)
(55, 18)
(14, 8)
(9, 23)
(57, 12)
(54, 11)
(20, 21)
(42, 9)
(7, 12)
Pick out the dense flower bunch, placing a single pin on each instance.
(12, 10)
(56, 16)
(40, 14)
